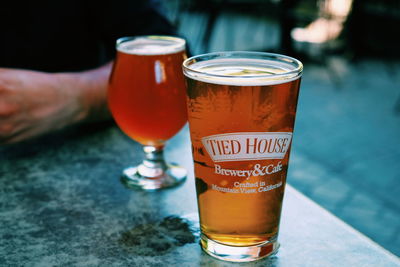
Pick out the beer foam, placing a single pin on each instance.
(151, 45)
(242, 71)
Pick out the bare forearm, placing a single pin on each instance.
(33, 103)
(92, 87)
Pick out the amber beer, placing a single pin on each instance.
(241, 110)
(146, 92)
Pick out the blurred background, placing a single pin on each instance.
(346, 147)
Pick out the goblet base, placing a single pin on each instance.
(170, 177)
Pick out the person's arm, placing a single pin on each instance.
(33, 103)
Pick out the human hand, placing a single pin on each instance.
(33, 103)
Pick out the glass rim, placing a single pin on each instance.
(291, 74)
(179, 44)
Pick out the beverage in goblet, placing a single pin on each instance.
(146, 96)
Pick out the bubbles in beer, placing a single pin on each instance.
(242, 72)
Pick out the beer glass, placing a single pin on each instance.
(146, 96)
(241, 111)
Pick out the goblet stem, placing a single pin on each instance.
(154, 164)
(153, 173)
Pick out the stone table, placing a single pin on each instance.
(62, 204)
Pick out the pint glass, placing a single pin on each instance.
(241, 111)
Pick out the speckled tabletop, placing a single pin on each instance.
(62, 204)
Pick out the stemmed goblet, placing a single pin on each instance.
(146, 96)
